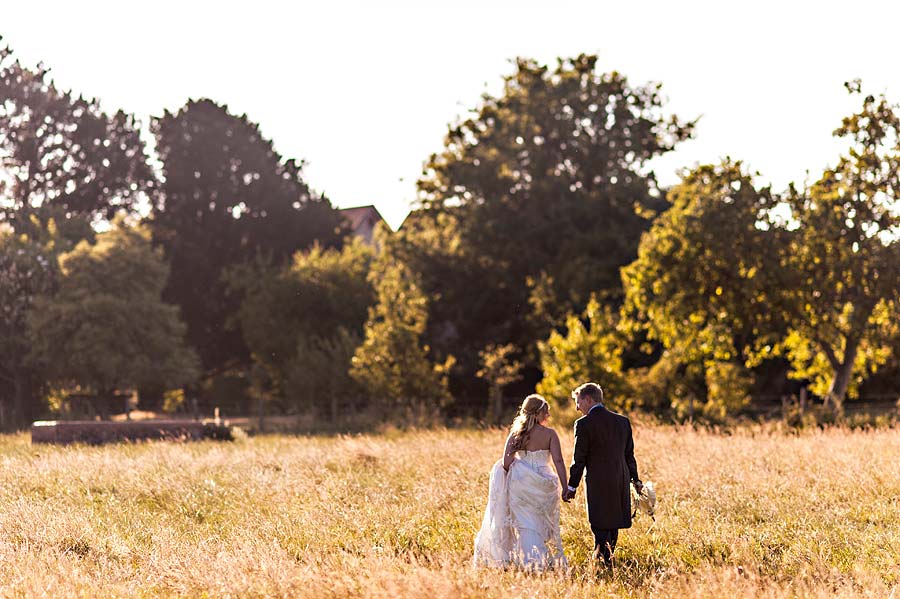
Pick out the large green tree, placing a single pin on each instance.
(28, 272)
(64, 164)
(107, 327)
(303, 321)
(64, 152)
(393, 364)
(318, 379)
(722, 278)
(707, 280)
(547, 189)
(590, 350)
(845, 255)
(227, 195)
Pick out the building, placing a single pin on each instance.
(362, 221)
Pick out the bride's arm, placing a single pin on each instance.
(509, 453)
(558, 461)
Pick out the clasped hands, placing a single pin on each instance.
(569, 494)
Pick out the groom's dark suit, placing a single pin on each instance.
(604, 445)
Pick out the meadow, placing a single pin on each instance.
(748, 512)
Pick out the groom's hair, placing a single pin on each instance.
(591, 391)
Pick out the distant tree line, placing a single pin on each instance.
(541, 253)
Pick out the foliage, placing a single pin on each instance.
(721, 277)
(64, 164)
(28, 272)
(228, 391)
(463, 316)
(107, 328)
(591, 350)
(392, 364)
(545, 182)
(173, 401)
(227, 196)
(63, 154)
(322, 291)
(707, 282)
(499, 368)
(728, 389)
(845, 254)
(667, 384)
(701, 283)
(318, 376)
(304, 322)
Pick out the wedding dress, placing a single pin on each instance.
(521, 521)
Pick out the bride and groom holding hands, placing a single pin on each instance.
(521, 521)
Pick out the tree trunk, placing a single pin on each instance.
(495, 406)
(842, 375)
(23, 400)
(261, 413)
(104, 401)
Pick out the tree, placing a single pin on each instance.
(845, 255)
(463, 317)
(499, 368)
(318, 375)
(723, 278)
(298, 317)
(62, 155)
(706, 283)
(28, 272)
(107, 328)
(64, 164)
(227, 196)
(392, 364)
(590, 350)
(546, 186)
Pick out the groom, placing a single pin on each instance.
(604, 446)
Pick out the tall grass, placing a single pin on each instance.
(750, 513)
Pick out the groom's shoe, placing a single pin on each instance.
(603, 563)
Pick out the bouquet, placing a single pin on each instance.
(645, 501)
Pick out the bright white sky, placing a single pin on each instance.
(363, 91)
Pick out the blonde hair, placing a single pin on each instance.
(533, 406)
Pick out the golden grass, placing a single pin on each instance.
(746, 514)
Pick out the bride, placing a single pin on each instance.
(521, 521)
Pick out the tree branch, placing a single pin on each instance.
(829, 352)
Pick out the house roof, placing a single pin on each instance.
(356, 215)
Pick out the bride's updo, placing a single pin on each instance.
(529, 414)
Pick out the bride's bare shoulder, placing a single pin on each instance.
(545, 429)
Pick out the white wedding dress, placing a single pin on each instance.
(521, 521)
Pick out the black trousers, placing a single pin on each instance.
(605, 543)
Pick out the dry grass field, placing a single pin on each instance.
(750, 513)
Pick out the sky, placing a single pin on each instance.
(364, 91)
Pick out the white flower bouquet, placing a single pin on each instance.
(645, 501)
